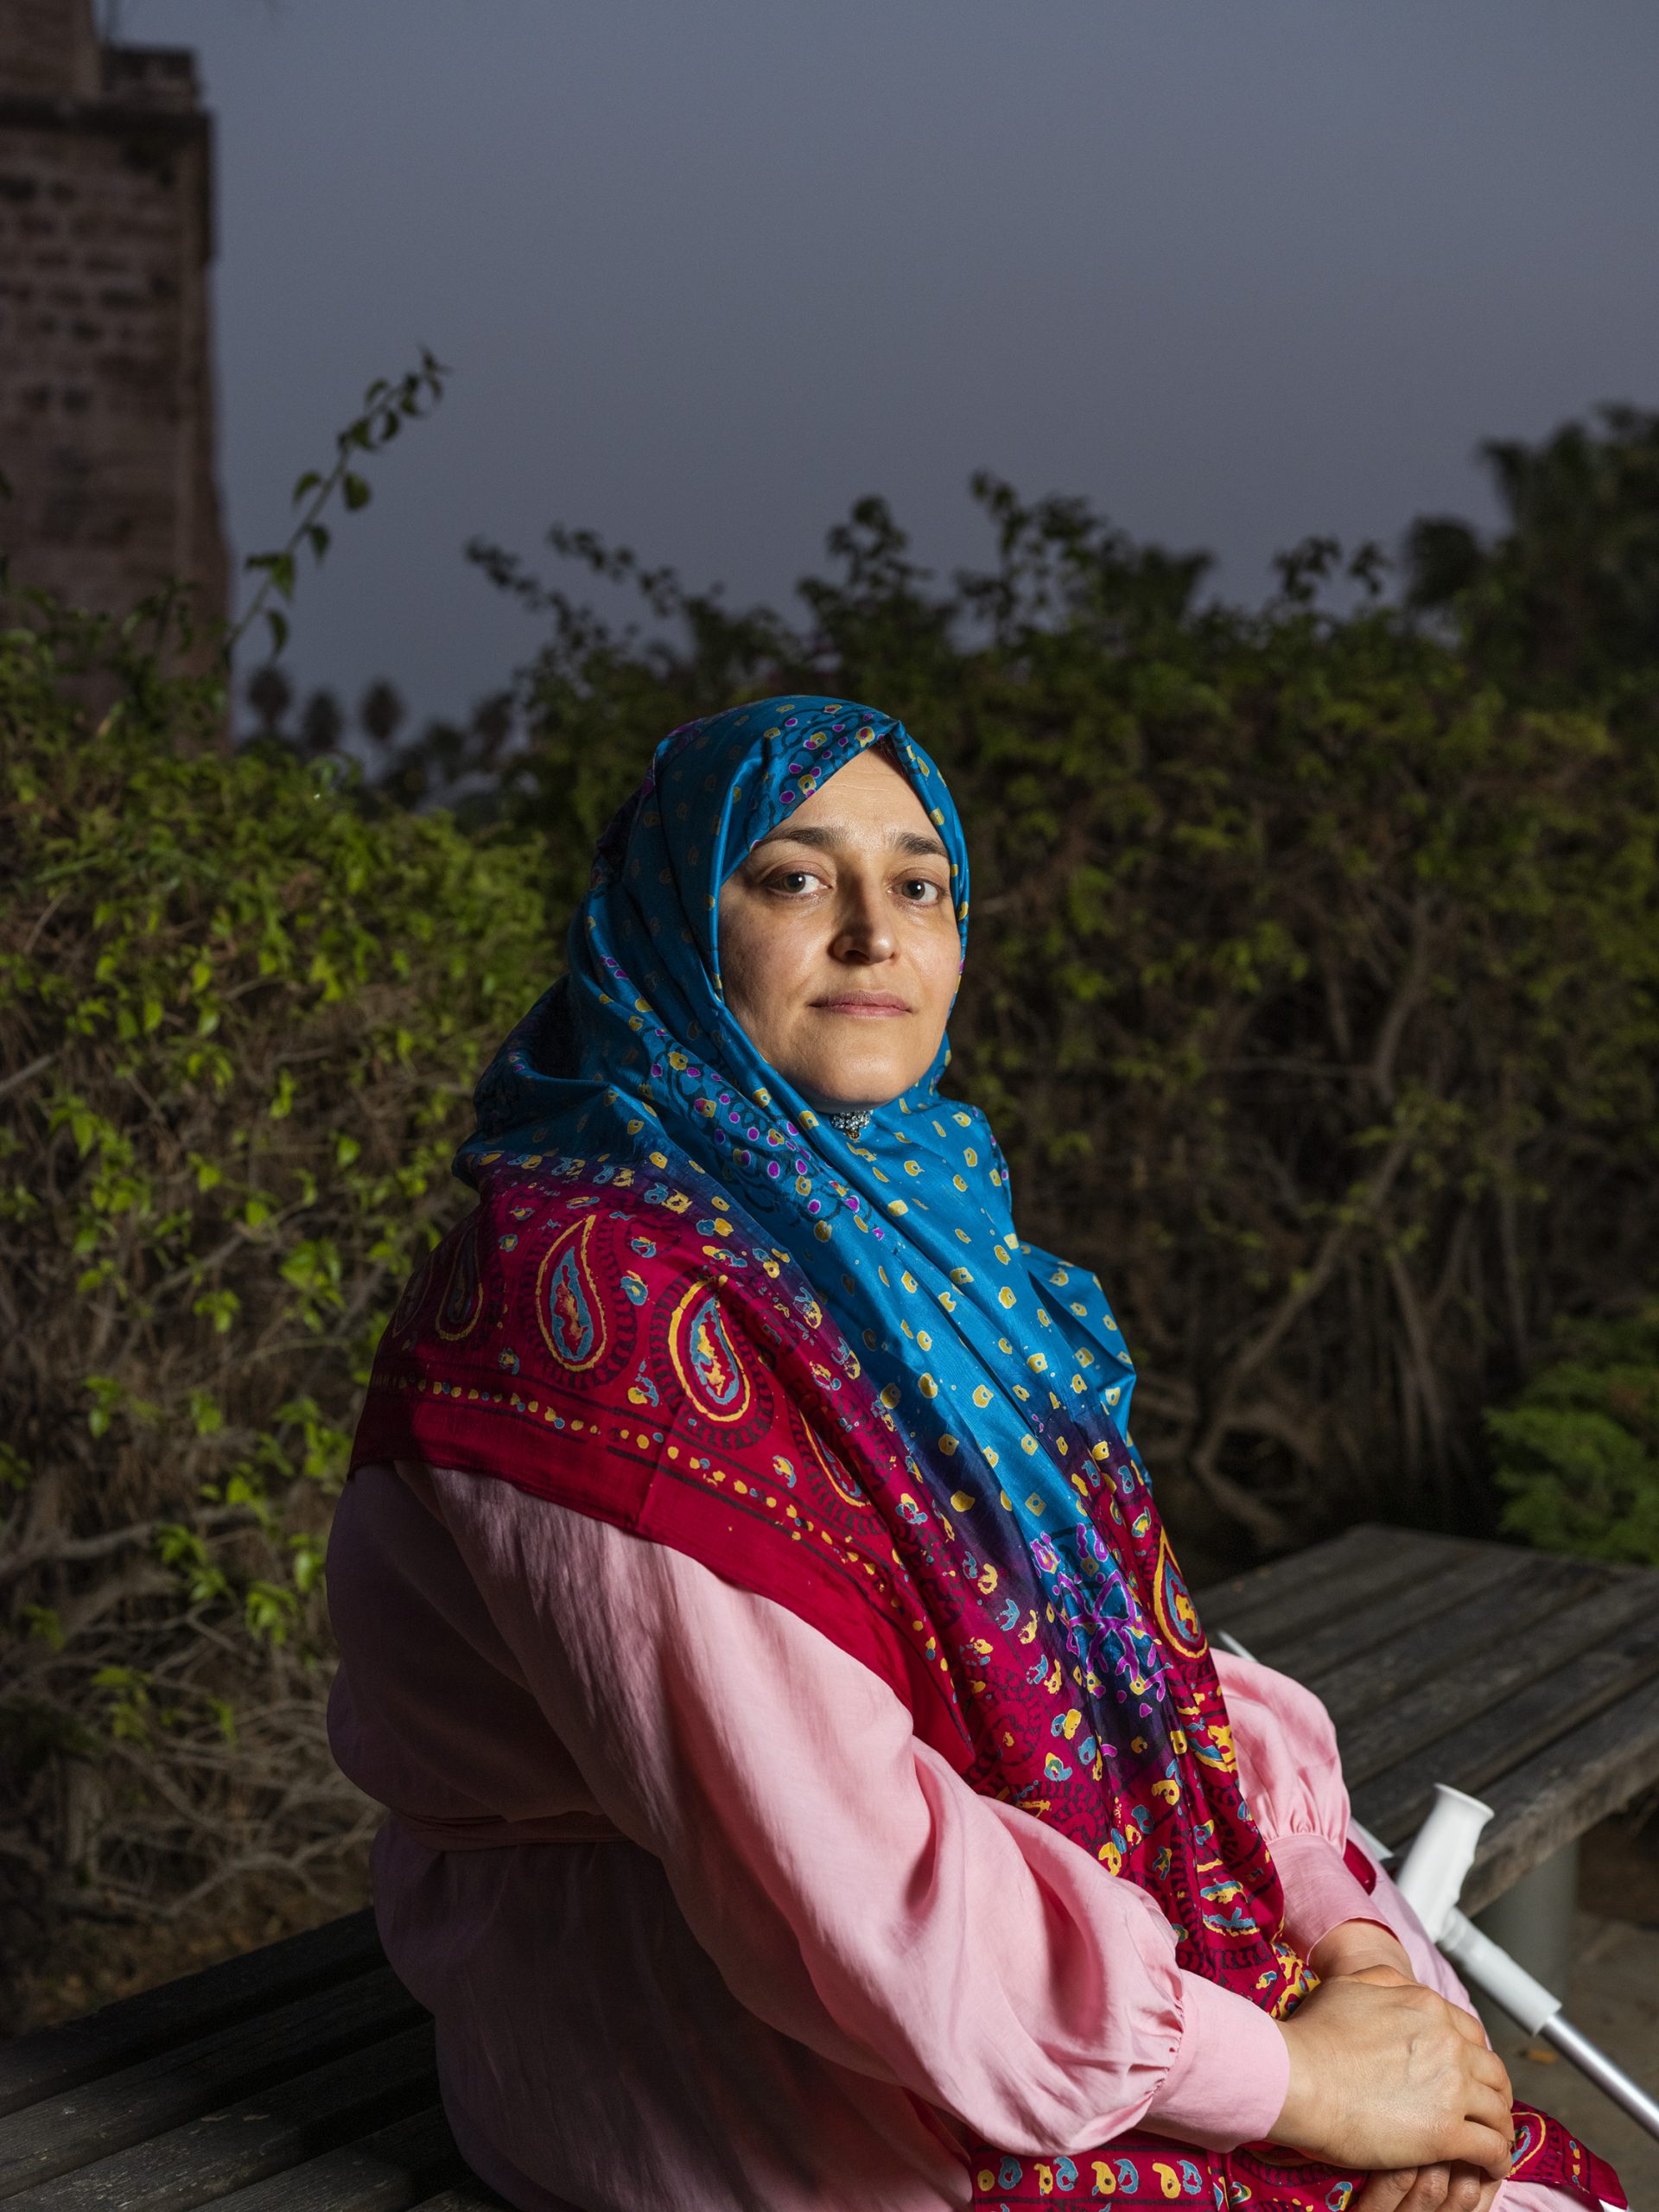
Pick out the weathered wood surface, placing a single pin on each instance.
(233, 2146)
(36, 2066)
(298, 2079)
(1530, 1681)
(301, 2078)
(397, 2167)
(185, 2080)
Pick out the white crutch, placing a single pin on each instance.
(1431, 1880)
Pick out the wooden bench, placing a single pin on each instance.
(1528, 1679)
(297, 2079)
(301, 2078)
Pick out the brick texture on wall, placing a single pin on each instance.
(106, 396)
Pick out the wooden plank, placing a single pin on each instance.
(1550, 1717)
(1449, 1689)
(105, 2115)
(1259, 1583)
(1362, 1632)
(55, 2059)
(1563, 1791)
(259, 2137)
(1358, 1592)
(1291, 1596)
(388, 2171)
(472, 2195)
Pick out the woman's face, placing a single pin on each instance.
(839, 948)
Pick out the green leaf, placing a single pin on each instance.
(221, 1307)
(108, 1395)
(44, 1624)
(206, 1415)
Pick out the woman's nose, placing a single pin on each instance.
(863, 927)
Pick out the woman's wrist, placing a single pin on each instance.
(1356, 1946)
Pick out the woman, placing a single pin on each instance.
(811, 1786)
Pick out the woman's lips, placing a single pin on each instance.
(863, 1003)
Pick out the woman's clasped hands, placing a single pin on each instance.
(1389, 2075)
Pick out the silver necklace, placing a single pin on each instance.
(851, 1120)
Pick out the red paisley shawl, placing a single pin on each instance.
(668, 1372)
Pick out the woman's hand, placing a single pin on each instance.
(1364, 1950)
(1386, 2075)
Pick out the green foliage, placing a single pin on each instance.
(386, 407)
(1313, 989)
(1577, 1453)
(1565, 600)
(240, 1022)
(1315, 976)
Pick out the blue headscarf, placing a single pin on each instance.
(995, 1361)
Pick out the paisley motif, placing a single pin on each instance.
(463, 1294)
(1172, 1602)
(569, 1305)
(709, 1371)
(407, 1311)
(840, 1481)
(1529, 2134)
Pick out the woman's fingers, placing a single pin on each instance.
(1445, 2189)
(1386, 2192)
(1486, 2066)
(1488, 2120)
(1470, 2191)
(1491, 2109)
(1476, 2144)
(1452, 2187)
(1466, 2025)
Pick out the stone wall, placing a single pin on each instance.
(106, 401)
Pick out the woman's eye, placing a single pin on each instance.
(920, 891)
(793, 882)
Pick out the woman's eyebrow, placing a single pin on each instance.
(826, 836)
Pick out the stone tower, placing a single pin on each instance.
(106, 396)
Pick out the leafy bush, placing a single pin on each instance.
(1315, 985)
(1564, 603)
(238, 1023)
(1314, 990)
(1577, 1454)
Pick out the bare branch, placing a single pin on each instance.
(64, 1551)
(20, 1075)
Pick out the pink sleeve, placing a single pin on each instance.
(853, 1890)
(1291, 1771)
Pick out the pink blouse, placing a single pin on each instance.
(747, 1943)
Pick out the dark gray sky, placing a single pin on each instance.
(708, 269)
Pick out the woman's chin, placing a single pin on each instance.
(842, 1089)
